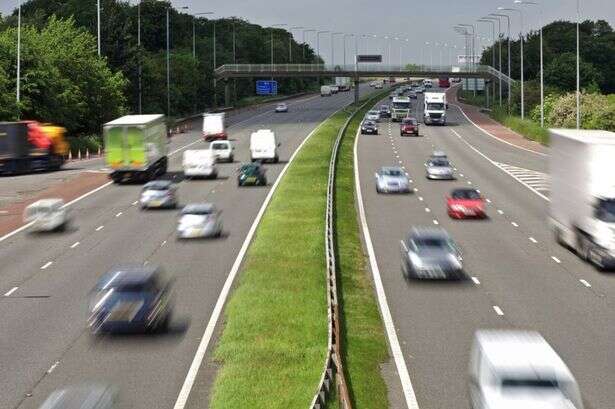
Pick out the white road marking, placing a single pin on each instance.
(455, 169)
(75, 244)
(469, 182)
(585, 283)
(99, 228)
(46, 265)
(427, 209)
(498, 310)
(500, 211)
(119, 214)
(461, 174)
(476, 280)
(163, 243)
(535, 180)
(421, 198)
(398, 356)
(135, 202)
(488, 200)
(53, 367)
(436, 222)
(533, 240)
(11, 291)
(557, 260)
(514, 224)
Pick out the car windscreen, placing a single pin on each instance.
(513, 383)
(409, 122)
(401, 105)
(200, 211)
(439, 163)
(368, 123)
(249, 170)
(159, 187)
(465, 194)
(605, 211)
(392, 172)
(435, 106)
(373, 113)
(423, 244)
(219, 146)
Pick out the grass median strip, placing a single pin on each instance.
(273, 345)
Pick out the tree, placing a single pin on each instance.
(561, 72)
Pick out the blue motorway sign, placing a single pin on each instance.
(266, 87)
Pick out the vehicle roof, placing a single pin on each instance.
(464, 189)
(158, 183)
(47, 202)
(440, 154)
(78, 397)
(369, 122)
(263, 132)
(136, 119)
(128, 274)
(428, 232)
(586, 135)
(199, 207)
(389, 168)
(518, 351)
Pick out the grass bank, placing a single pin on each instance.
(365, 345)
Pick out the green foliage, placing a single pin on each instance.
(597, 112)
(562, 70)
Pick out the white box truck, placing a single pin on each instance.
(214, 126)
(264, 146)
(200, 163)
(582, 209)
(343, 83)
(400, 108)
(435, 108)
(325, 91)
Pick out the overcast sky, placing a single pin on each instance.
(418, 21)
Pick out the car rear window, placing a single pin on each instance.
(465, 194)
(219, 146)
(529, 383)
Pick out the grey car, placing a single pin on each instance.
(430, 253)
(159, 194)
(87, 396)
(392, 180)
(199, 220)
(373, 116)
(439, 168)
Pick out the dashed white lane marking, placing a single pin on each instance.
(585, 283)
(488, 200)
(411, 181)
(46, 265)
(514, 224)
(163, 243)
(416, 190)
(119, 214)
(498, 310)
(75, 244)
(476, 280)
(427, 209)
(53, 367)
(461, 174)
(469, 182)
(436, 222)
(455, 169)
(533, 240)
(557, 260)
(11, 291)
(135, 202)
(99, 228)
(500, 211)
(421, 198)
(400, 162)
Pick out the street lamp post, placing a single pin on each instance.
(318, 33)
(168, 66)
(472, 50)
(18, 89)
(484, 20)
(542, 78)
(333, 47)
(97, 23)
(522, 73)
(346, 36)
(309, 30)
(578, 67)
(140, 73)
(499, 52)
(290, 42)
(507, 17)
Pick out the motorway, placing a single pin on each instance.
(517, 276)
(44, 342)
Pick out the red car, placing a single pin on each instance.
(409, 126)
(465, 203)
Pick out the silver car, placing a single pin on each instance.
(199, 221)
(439, 168)
(86, 396)
(373, 116)
(159, 194)
(392, 180)
(282, 107)
(430, 253)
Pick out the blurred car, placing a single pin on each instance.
(159, 194)
(46, 215)
(281, 107)
(412, 94)
(519, 369)
(199, 220)
(223, 151)
(131, 298)
(465, 203)
(438, 155)
(409, 126)
(251, 174)
(430, 253)
(385, 111)
(369, 127)
(373, 115)
(393, 94)
(439, 168)
(420, 90)
(86, 396)
(392, 180)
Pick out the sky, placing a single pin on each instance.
(417, 21)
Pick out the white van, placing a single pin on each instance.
(223, 151)
(200, 163)
(214, 126)
(326, 91)
(46, 215)
(264, 146)
(519, 369)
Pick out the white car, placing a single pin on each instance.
(159, 194)
(373, 116)
(199, 163)
(199, 220)
(282, 107)
(223, 151)
(46, 215)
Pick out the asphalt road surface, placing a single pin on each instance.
(517, 276)
(44, 343)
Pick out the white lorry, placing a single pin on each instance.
(343, 83)
(199, 163)
(264, 146)
(582, 209)
(214, 126)
(325, 91)
(435, 108)
(400, 108)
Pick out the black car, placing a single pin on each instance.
(369, 127)
(252, 174)
(131, 298)
(385, 111)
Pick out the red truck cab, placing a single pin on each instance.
(444, 83)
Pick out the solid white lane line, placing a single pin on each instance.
(11, 291)
(500, 211)
(498, 310)
(533, 240)
(557, 260)
(99, 228)
(188, 383)
(476, 280)
(398, 356)
(46, 265)
(514, 224)
(585, 283)
(75, 244)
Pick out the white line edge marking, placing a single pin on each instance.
(557, 260)
(498, 310)
(533, 240)
(46, 265)
(514, 224)
(184, 393)
(476, 280)
(11, 291)
(119, 214)
(400, 362)
(99, 228)
(585, 283)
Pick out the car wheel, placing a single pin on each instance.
(231, 159)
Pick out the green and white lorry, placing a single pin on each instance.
(136, 147)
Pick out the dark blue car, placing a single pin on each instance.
(131, 298)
